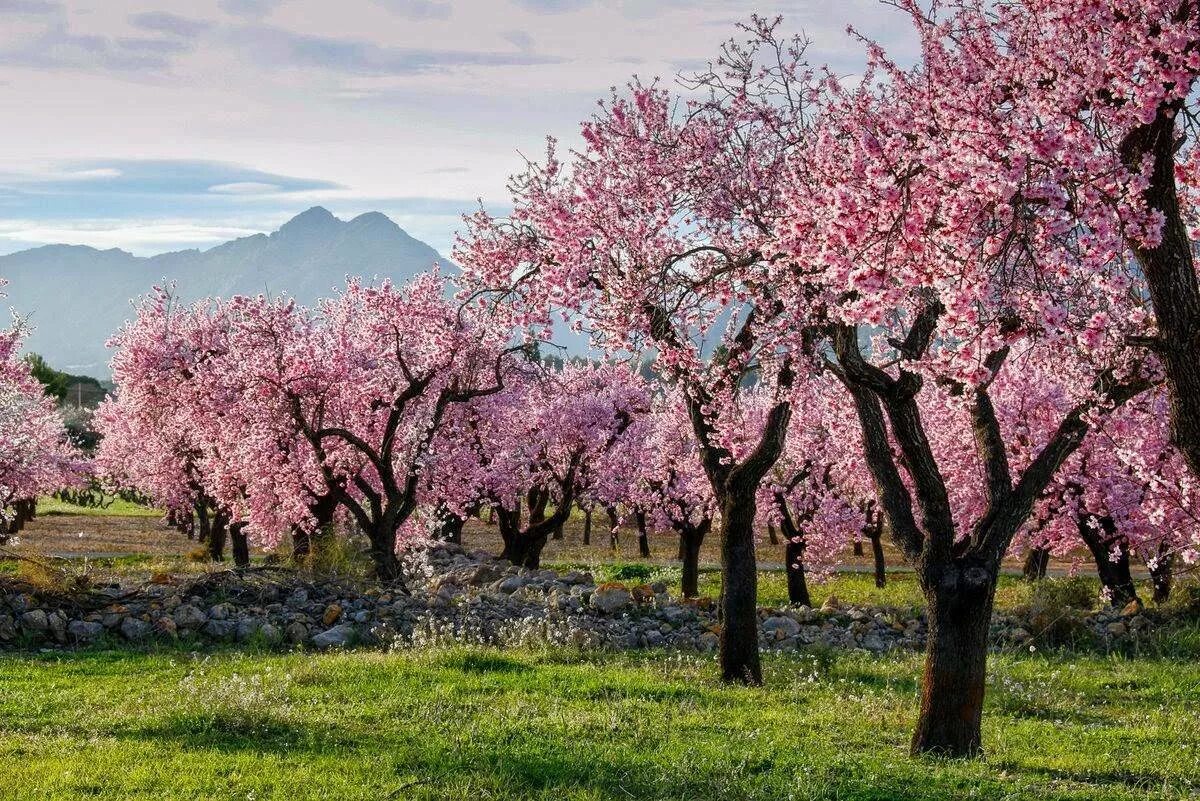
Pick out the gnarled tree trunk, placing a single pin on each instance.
(1037, 560)
(239, 544)
(739, 591)
(643, 535)
(1110, 551)
(959, 609)
(1161, 574)
(691, 538)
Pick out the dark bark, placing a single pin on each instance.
(959, 610)
(1037, 560)
(772, 534)
(614, 522)
(957, 574)
(523, 545)
(587, 526)
(217, 534)
(793, 554)
(880, 562)
(643, 535)
(1110, 551)
(691, 538)
(1162, 574)
(739, 591)
(239, 544)
(1170, 272)
(449, 526)
(858, 548)
(383, 554)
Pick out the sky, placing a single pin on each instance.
(161, 125)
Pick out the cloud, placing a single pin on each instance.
(418, 9)
(177, 177)
(553, 6)
(57, 47)
(275, 47)
(164, 22)
(255, 9)
(519, 39)
(245, 188)
(29, 7)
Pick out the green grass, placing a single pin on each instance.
(49, 505)
(483, 724)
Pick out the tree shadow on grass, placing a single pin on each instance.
(238, 731)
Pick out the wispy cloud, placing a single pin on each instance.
(278, 48)
(29, 7)
(164, 22)
(254, 9)
(419, 9)
(57, 47)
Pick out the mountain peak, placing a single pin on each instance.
(316, 218)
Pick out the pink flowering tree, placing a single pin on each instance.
(1126, 493)
(521, 451)
(656, 234)
(36, 456)
(343, 401)
(952, 261)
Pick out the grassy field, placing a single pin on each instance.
(48, 505)
(479, 724)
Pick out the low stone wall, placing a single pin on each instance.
(458, 597)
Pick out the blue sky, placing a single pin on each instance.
(165, 124)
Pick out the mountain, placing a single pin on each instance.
(75, 296)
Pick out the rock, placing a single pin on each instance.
(1132, 608)
(221, 611)
(336, 637)
(188, 616)
(296, 632)
(1019, 635)
(8, 627)
(658, 587)
(270, 633)
(1116, 629)
(611, 599)
(220, 629)
(35, 620)
(84, 630)
(832, 604)
(297, 599)
(511, 584)
(331, 614)
(780, 627)
(874, 643)
(167, 626)
(161, 578)
(134, 629)
(482, 575)
(708, 641)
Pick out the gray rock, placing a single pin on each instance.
(221, 611)
(336, 637)
(8, 627)
(221, 629)
(780, 627)
(610, 600)
(189, 616)
(296, 632)
(134, 629)
(511, 584)
(874, 643)
(85, 630)
(707, 641)
(36, 620)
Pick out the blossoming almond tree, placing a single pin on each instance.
(655, 234)
(974, 266)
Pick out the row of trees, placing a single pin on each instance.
(948, 304)
(989, 250)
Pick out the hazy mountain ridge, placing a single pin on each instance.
(76, 296)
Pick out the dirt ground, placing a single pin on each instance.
(81, 536)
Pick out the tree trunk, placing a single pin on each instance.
(587, 526)
(301, 545)
(1037, 560)
(239, 544)
(772, 534)
(1111, 554)
(383, 554)
(1161, 574)
(509, 523)
(449, 526)
(797, 583)
(690, 540)
(1171, 278)
(739, 590)
(216, 540)
(880, 562)
(643, 535)
(613, 536)
(959, 610)
(858, 547)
